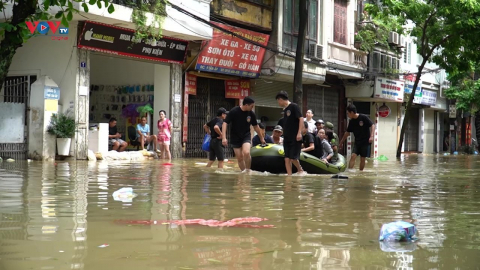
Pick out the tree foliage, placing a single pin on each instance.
(14, 31)
(467, 95)
(374, 31)
(445, 32)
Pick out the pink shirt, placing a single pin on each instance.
(164, 128)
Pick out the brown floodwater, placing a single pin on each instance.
(64, 216)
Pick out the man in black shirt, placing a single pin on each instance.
(308, 141)
(114, 137)
(363, 129)
(214, 128)
(242, 118)
(292, 132)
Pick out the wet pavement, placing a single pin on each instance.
(64, 216)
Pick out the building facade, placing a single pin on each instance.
(99, 72)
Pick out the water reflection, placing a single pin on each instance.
(64, 216)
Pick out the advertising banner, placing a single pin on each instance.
(121, 41)
(231, 55)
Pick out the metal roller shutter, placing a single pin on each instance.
(264, 92)
(324, 102)
(411, 135)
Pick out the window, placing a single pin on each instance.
(407, 56)
(291, 23)
(340, 22)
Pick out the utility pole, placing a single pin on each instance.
(302, 32)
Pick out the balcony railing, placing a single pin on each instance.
(347, 54)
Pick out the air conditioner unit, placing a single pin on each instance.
(319, 52)
(393, 38)
(401, 42)
(315, 51)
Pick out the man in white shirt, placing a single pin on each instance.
(311, 123)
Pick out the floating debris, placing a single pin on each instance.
(10, 160)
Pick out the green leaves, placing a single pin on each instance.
(7, 27)
(85, 7)
(59, 14)
(111, 8)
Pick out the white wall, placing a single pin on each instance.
(162, 93)
(55, 58)
(387, 132)
(109, 70)
(429, 133)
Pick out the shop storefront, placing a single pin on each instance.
(126, 74)
(226, 69)
(381, 100)
(426, 128)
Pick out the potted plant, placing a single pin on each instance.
(63, 127)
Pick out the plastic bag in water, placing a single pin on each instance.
(387, 246)
(397, 231)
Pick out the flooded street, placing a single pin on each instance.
(64, 216)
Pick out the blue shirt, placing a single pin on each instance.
(143, 129)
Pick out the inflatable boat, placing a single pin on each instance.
(271, 158)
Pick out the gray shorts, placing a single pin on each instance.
(112, 141)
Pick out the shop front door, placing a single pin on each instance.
(411, 134)
(202, 107)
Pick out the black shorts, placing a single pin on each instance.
(238, 143)
(361, 149)
(292, 149)
(216, 150)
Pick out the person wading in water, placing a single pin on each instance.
(241, 119)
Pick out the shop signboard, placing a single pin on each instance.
(384, 111)
(389, 89)
(417, 99)
(452, 111)
(190, 84)
(409, 82)
(429, 98)
(231, 55)
(121, 41)
(238, 89)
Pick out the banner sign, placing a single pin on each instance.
(185, 117)
(121, 41)
(389, 89)
(231, 55)
(428, 98)
(409, 82)
(238, 89)
(190, 84)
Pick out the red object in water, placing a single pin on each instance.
(167, 164)
(236, 222)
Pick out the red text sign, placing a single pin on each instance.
(384, 111)
(238, 89)
(231, 55)
(190, 84)
(185, 117)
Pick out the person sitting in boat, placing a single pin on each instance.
(319, 125)
(334, 144)
(308, 144)
(277, 135)
(327, 152)
(256, 138)
(332, 139)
